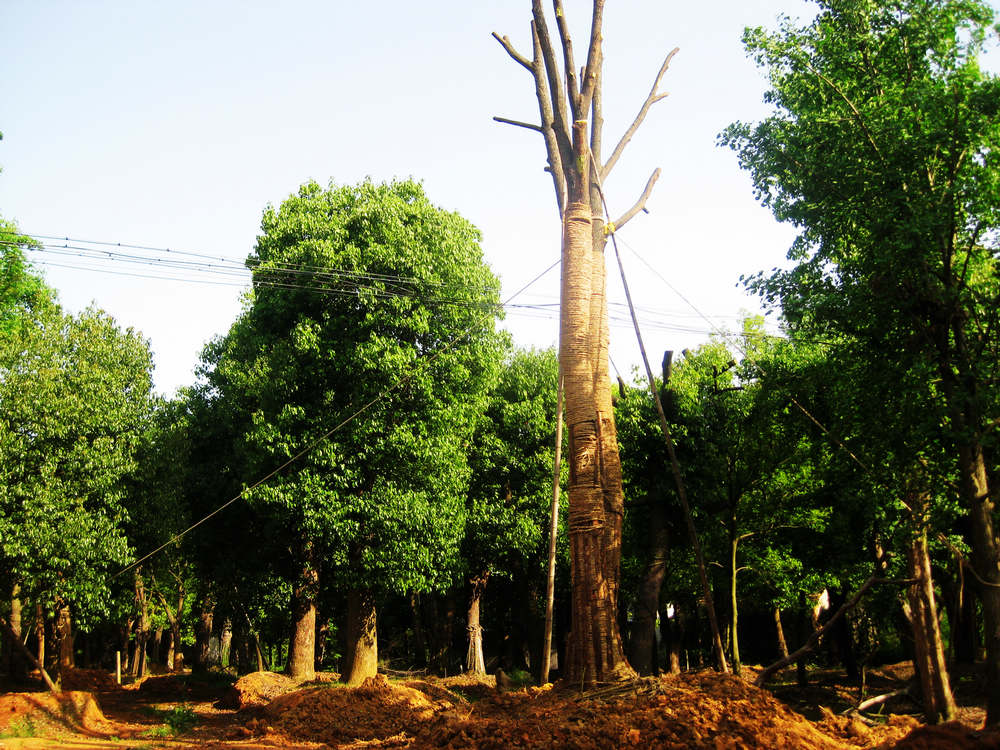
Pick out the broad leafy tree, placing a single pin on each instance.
(511, 488)
(75, 395)
(366, 350)
(883, 149)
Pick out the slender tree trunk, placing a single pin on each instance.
(642, 642)
(550, 579)
(929, 663)
(419, 642)
(302, 645)
(142, 635)
(362, 638)
(226, 642)
(782, 644)
(40, 632)
(63, 630)
(474, 660)
(734, 616)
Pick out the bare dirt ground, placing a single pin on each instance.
(265, 710)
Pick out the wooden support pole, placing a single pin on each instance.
(550, 584)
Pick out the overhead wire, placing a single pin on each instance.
(384, 393)
(328, 280)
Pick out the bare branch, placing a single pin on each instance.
(515, 55)
(552, 149)
(572, 86)
(651, 99)
(594, 57)
(640, 205)
(560, 123)
(518, 123)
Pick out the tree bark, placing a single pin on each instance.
(302, 645)
(362, 638)
(474, 659)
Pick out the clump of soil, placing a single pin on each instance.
(691, 711)
(376, 710)
(256, 689)
(73, 710)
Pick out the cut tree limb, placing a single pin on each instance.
(814, 638)
(31, 657)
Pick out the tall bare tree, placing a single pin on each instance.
(569, 105)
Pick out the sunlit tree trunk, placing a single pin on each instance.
(302, 644)
(475, 662)
(928, 659)
(362, 638)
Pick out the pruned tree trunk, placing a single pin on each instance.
(362, 638)
(302, 644)
(571, 124)
(474, 660)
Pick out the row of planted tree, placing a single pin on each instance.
(362, 471)
(430, 507)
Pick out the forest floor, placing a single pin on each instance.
(691, 710)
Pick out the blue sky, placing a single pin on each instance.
(174, 124)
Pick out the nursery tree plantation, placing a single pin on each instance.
(359, 480)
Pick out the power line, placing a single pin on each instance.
(384, 393)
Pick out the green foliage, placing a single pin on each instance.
(361, 292)
(21, 291)
(511, 456)
(75, 394)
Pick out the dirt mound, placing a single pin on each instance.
(377, 710)
(256, 689)
(90, 680)
(75, 710)
(953, 736)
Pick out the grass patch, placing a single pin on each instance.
(177, 720)
(20, 728)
